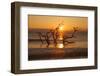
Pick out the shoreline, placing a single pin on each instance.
(62, 53)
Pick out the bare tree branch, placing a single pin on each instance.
(65, 38)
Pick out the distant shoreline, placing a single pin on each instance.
(38, 40)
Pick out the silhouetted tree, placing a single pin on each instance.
(65, 38)
(44, 37)
(54, 34)
(40, 36)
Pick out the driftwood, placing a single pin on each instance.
(44, 37)
(54, 34)
(65, 38)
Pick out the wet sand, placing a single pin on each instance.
(56, 53)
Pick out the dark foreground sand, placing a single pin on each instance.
(51, 53)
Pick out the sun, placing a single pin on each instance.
(61, 28)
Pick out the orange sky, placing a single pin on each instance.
(49, 22)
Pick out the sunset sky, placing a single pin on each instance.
(49, 22)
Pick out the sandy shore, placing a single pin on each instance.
(51, 53)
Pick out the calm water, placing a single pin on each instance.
(38, 44)
(39, 51)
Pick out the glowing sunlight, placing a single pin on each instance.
(60, 45)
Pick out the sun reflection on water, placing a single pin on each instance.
(60, 45)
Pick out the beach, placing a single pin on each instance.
(56, 53)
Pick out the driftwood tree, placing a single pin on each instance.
(54, 34)
(72, 35)
(44, 37)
